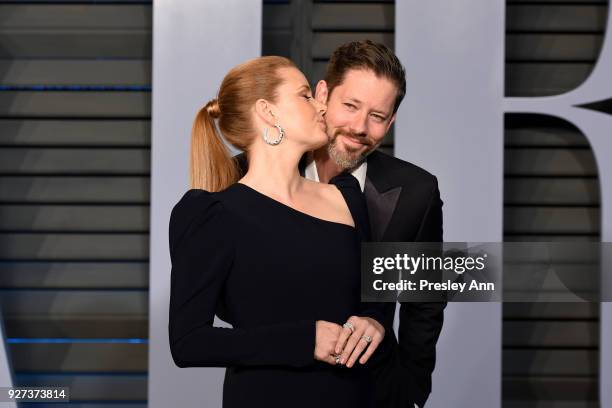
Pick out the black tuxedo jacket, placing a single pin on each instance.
(404, 205)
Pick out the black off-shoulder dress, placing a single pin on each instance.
(271, 272)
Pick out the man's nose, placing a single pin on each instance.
(359, 124)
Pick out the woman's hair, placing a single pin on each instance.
(211, 166)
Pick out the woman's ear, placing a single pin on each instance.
(263, 109)
(321, 92)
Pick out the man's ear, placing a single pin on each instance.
(321, 92)
(263, 109)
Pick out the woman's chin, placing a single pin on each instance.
(321, 140)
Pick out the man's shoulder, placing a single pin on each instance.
(401, 171)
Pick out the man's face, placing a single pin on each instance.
(359, 114)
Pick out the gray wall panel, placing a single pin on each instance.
(118, 104)
(551, 388)
(78, 327)
(92, 275)
(551, 191)
(75, 132)
(77, 72)
(543, 135)
(549, 162)
(70, 189)
(52, 126)
(62, 16)
(94, 387)
(74, 303)
(82, 247)
(324, 43)
(361, 17)
(102, 357)
(552, 47)
(556, 17)
(73, 218)
(74, 161)
(551, 220)
(536, 79)
(75, 43)
(548, 311)
(550, 362)
(551, 334)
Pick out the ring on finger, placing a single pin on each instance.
(366, 338)
(349, 325)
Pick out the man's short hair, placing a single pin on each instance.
(366, 55)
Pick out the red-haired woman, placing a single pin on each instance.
(272, 253)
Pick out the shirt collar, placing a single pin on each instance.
(359, 172)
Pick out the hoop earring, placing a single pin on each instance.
(281, 134)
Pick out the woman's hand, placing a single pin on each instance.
(354, 338)
(326, 339)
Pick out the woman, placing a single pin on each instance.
(273, 254)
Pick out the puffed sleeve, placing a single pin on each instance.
(202, 252)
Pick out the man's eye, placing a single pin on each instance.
(378, 118)
(350, 106)
(308, 97)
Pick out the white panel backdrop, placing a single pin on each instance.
(195, 43)
(451, 123)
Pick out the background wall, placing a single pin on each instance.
(74, 195)
(74, 184)
(188, 67)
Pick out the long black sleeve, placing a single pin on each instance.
(202, 253)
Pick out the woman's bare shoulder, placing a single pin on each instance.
(330, 201)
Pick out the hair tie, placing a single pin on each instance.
(212, 108)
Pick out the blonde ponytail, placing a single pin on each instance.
(211, 166)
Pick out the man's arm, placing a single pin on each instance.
(421, 323)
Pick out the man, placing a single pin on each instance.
(363, 87)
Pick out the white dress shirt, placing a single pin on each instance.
(359, 172)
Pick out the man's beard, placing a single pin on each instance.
(346, 160)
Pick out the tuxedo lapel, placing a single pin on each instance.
(382, 193)
(380, 208)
